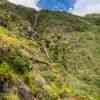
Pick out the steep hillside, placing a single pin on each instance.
(48, 55)
(46, 20)
(94, 19)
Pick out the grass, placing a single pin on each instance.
(60, 62)
(11, 96)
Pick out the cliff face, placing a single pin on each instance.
(48, 55)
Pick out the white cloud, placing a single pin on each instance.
(26, 3)
(83, 7)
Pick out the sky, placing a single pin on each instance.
(61, 5)
(78, 7)
(83, 7)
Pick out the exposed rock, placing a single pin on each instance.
(5, 84)
(3, 51)
(31, 33)
(24, 92)
(3, 22)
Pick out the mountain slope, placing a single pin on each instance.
(47, 55)
(67, 22)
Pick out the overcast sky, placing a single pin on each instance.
(83, 7)
(79, 7)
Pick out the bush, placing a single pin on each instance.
(21, 64)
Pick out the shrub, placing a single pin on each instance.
(20, 64)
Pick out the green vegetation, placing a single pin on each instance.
(57, 59)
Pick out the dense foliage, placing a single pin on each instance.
(48, 55)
